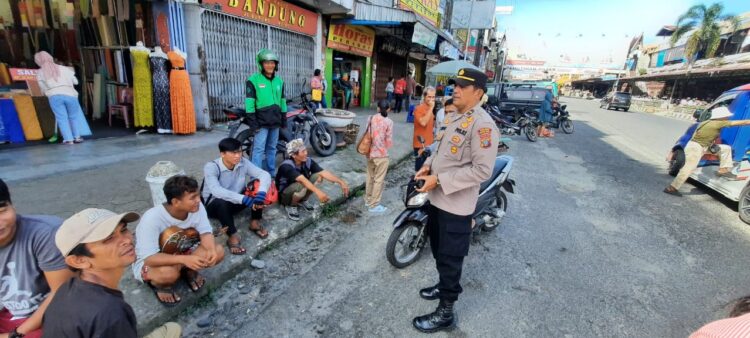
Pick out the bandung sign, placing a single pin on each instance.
(427, 9)
(276, 13)
(356, 40)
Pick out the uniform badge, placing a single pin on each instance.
(455, 139)
(465, 125)
(454, 149)
(262, 85)
(485, 137)
(469, 119)
(461, 131)
(461, 72)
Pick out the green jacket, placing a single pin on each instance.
(265, 100)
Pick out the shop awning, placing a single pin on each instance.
(374, 13)
(450, 67)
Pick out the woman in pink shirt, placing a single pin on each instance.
(381, 128)
(316, 83)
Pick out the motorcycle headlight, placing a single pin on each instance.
(417, 200)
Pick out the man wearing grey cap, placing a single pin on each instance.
(98, 245)
(297, 178)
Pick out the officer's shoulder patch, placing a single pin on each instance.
(485, 137)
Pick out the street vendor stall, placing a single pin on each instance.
(443, 71)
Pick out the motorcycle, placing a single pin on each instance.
(300, 123)
(519, 122)
(562, 119)
(409, 237)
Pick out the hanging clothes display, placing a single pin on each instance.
(183, 112)
(143, 105)
(160, 82)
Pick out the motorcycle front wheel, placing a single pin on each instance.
(405, 245)
(530, 131)
(567, 126)
(246, 138)
(323, 139)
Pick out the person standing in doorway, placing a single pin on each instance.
(411, 87)
(57, 82)
(316, 84)
(424, 125)
(381, 128)
(389, 90)
(398, 91)
(266, 103)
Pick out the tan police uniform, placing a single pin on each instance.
(464, 158)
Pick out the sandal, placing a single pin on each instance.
(261, 232)
(193, 278)
(169, 290)
(235, 248)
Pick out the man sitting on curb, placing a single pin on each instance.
(225, 181)
(97, 244)
(159, 264)
(297, 178)
(32, 268)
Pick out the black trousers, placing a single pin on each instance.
(399, 101)
(450, 235)
(224, 211)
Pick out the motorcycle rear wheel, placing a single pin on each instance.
(530, 131)
(567, 126)
(501, 202)
(323, 139)
(404, 247)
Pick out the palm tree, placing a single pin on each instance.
(704, 22)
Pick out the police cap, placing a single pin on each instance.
(473, 77)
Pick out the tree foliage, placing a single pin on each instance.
(704, 26)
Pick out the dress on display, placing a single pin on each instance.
(143, 104)
(162, 108)
(183, 112)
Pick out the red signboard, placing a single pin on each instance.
(276, 13)
(23, 74)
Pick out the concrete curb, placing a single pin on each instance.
(151, 314)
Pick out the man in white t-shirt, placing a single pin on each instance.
(161, 270)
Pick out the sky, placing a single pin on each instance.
(589, 30)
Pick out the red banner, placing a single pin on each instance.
(276, 13)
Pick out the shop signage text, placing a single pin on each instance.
(23, 74)
(424, 36)
(356, 40)
(427, 9)
(271, 12)
(394, 46)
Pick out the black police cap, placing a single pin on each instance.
(473, 77)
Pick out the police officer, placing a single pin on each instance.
(464, 158)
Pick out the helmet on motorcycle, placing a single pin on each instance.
(266, 55)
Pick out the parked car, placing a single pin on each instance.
(737, 100)
(616, 100)
(512, 95)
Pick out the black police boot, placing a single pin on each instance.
(430, 293)
(442, 319)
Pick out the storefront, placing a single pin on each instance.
(390, 61)
(231, 33)
(349, 65)
(99, 41)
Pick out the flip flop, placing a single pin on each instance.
(261, 232)
(237, 247)
(158, 290)
(191, 278)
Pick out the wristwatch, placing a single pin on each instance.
(15, 334)
(437, 180)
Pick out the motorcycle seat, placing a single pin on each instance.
(500, 163)
(294, 113)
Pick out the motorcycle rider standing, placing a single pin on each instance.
(266, 102)
(464, 158)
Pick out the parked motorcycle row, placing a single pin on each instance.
(524, 120)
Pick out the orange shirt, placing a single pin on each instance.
(426, 132)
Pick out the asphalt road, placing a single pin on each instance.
(590, 247)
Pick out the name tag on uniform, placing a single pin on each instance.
(461, 131)
(262, 85)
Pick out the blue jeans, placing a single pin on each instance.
(264, 147)
(324, 102)
(68, 114)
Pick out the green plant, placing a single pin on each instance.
(642, 71)
(704, 23)
(329, 210)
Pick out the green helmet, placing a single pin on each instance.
(266, 55)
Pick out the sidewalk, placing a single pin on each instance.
(111, 174)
